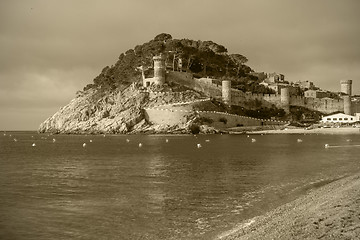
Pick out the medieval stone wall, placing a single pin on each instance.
(239, 98)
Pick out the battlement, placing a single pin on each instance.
(213, 89)
(346, 87)
(345, 81)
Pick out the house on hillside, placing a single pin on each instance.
(339, 118)
(315, 94)
(305, 84)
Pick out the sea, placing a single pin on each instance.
(158, 186)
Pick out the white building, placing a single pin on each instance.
(339, 118)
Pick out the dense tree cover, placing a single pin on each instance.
(260, 112)
(203, 58)
(302, 114)
(251, 85)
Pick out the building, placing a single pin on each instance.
(315, 94)
(275, 78)
(159, 72)
(305, 84)
(339, 118)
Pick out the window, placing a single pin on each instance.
(329, 119)
(351, 118)
(334, 119)
(346, 119)
(340, 119)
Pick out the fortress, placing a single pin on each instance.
(229, 96)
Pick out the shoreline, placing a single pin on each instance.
(328, 212)
(290, 130)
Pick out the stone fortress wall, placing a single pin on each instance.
(239, 98)
(179, 113)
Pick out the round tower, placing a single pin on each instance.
(346, 86)
(285, 99)
(347, 105)
(159, 70)
(226, 92)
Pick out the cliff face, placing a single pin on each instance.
(118, 111)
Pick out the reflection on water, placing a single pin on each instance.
(112, 189)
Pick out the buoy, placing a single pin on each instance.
(198, 145)
(33, 144)
(15, 140)
(54, 140)
(299, 140)
(167, 140)
(253, 140)
(348, 140)
(248, 136)
(207, 140)
(327, 146)
(127, 140)
(90, 140)
(140, 144)
(84, 144)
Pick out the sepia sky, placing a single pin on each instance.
(50, 49)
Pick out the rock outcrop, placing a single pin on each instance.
(120, 111)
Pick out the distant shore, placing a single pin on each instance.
(341, 130)
(329, 212)
(293, 130)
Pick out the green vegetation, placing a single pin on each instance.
(304, 115)
(263, 112)
(194, 128)
(222, 119)
(203, 58)
(251, 85)
(203, 120)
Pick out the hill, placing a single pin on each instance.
(115, 101)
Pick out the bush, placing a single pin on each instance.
(224, 120)
(195, 129)
(206, 120)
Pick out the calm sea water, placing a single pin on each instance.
(114, 189)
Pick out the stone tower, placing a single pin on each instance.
(347, 105)
(159, 70)
(226, 92)
(346, 86)
(285, 99)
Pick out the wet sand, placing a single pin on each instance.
(328, 212)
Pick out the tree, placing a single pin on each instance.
(238, 60)
(163, 37)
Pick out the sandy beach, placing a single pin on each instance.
(293, 130)
(328, 212)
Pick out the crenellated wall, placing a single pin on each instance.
(239, 98)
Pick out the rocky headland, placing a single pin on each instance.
(117, 100)
(118, 112)
(171, 85)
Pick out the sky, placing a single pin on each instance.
(51, 49)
